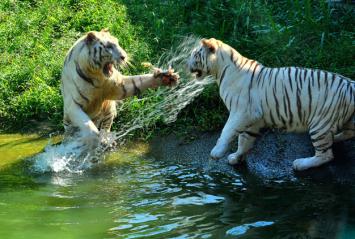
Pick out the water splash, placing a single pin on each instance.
(68, 156)
(72, 156)
(172, 101)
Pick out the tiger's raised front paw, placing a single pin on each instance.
(218, 152)
(167, 77)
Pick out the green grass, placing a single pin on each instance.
(35, 36)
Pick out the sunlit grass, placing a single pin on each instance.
(35, 36)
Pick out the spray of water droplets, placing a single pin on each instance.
(72, 156)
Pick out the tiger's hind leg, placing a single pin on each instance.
(104, 122)
(107, 115)
(347, 132)
(322, 144)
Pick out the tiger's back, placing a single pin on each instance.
(298, 99)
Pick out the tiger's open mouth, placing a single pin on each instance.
(197, 72)
(108, 68)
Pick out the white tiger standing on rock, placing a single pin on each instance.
(290, 98)
(91, 84)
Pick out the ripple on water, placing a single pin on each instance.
(240, 230)
(201, 199)
(140, 218)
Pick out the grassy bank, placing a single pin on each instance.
(35, 36)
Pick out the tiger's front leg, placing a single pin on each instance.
(88, 130)
(246, 140)
(134, 85)
(237, 122)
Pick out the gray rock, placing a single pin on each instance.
(270, 159)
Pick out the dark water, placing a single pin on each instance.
(141, 197)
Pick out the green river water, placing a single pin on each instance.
(134, 195)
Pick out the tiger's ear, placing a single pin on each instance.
(211, 44)
(90, 37)
(104, 30)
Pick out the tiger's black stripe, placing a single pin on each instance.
(225, 98)
(289, 108)
(83, 76)
(270, 75)
(310, 100)
(300, 80)
(252, 134)
(230, 102)
(260, 74)
(100, 53)
(80, 93)
(124, 90)
(246, 60)
(318, 77)
(137, 91)
(333, 79)
(298, 97)
(249, 133)
(222, 76)
(106, 121)
(264, 76)
(68, 58)
(277, 105)
(289, 77)
(232, 56)
(251, 80)
(77, 103)
(299, 104)
(221, 56)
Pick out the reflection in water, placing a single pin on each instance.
(201, 199)
(240, 230)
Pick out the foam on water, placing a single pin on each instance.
(72, 156)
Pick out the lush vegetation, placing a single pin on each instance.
(35, 36)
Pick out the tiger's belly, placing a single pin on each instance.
(99, 107)
(284, 124)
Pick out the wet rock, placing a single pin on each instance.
(270, 159)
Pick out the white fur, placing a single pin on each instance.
(293, 99)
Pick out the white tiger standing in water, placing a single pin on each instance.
(291, 98)
(91, 84)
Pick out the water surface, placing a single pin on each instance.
(134, 195)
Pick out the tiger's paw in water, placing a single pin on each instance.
(89, 140)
